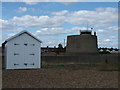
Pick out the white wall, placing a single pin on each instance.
(24, 53)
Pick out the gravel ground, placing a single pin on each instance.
(59, 78)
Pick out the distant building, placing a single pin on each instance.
(51, 49)
(114, 51)
(108, 50)
(22, 51)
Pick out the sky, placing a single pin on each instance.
(52, 22)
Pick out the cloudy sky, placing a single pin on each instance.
(52, 22)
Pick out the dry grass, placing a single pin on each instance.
(59, 78)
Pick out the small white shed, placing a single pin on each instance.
(22, 51)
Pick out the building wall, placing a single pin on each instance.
(82, 44)
(80, 59)
(18, 55)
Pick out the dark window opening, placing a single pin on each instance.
(16, 64)
(25, 44)
(32, 54)
(32, 64)
(25, 64)
(16, 44)
(16, 53)
(32, 44)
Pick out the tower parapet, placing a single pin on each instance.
(85, 32)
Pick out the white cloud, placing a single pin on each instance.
(102, 17)
(61, 12)
(51, 31)
(107, 40)
(114, 28)
(8, 26)
(100, 31)
(38, 21)
(58, 31)
(31, 3)
(108, 9)
(22, 9)
(79, 28)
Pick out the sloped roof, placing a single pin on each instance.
(22, 32)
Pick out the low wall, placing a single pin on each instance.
(80, 58)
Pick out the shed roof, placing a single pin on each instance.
(22, 32)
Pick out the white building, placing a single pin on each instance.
(22, 51)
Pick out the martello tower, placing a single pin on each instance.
(83, 43)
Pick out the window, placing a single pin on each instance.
(25, 64)
(32, 54)
(25, 44)
(15, 64)
(16, 44)
(32, 64)
(16, 53)
(32, 44)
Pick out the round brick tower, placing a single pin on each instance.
(83, 43)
